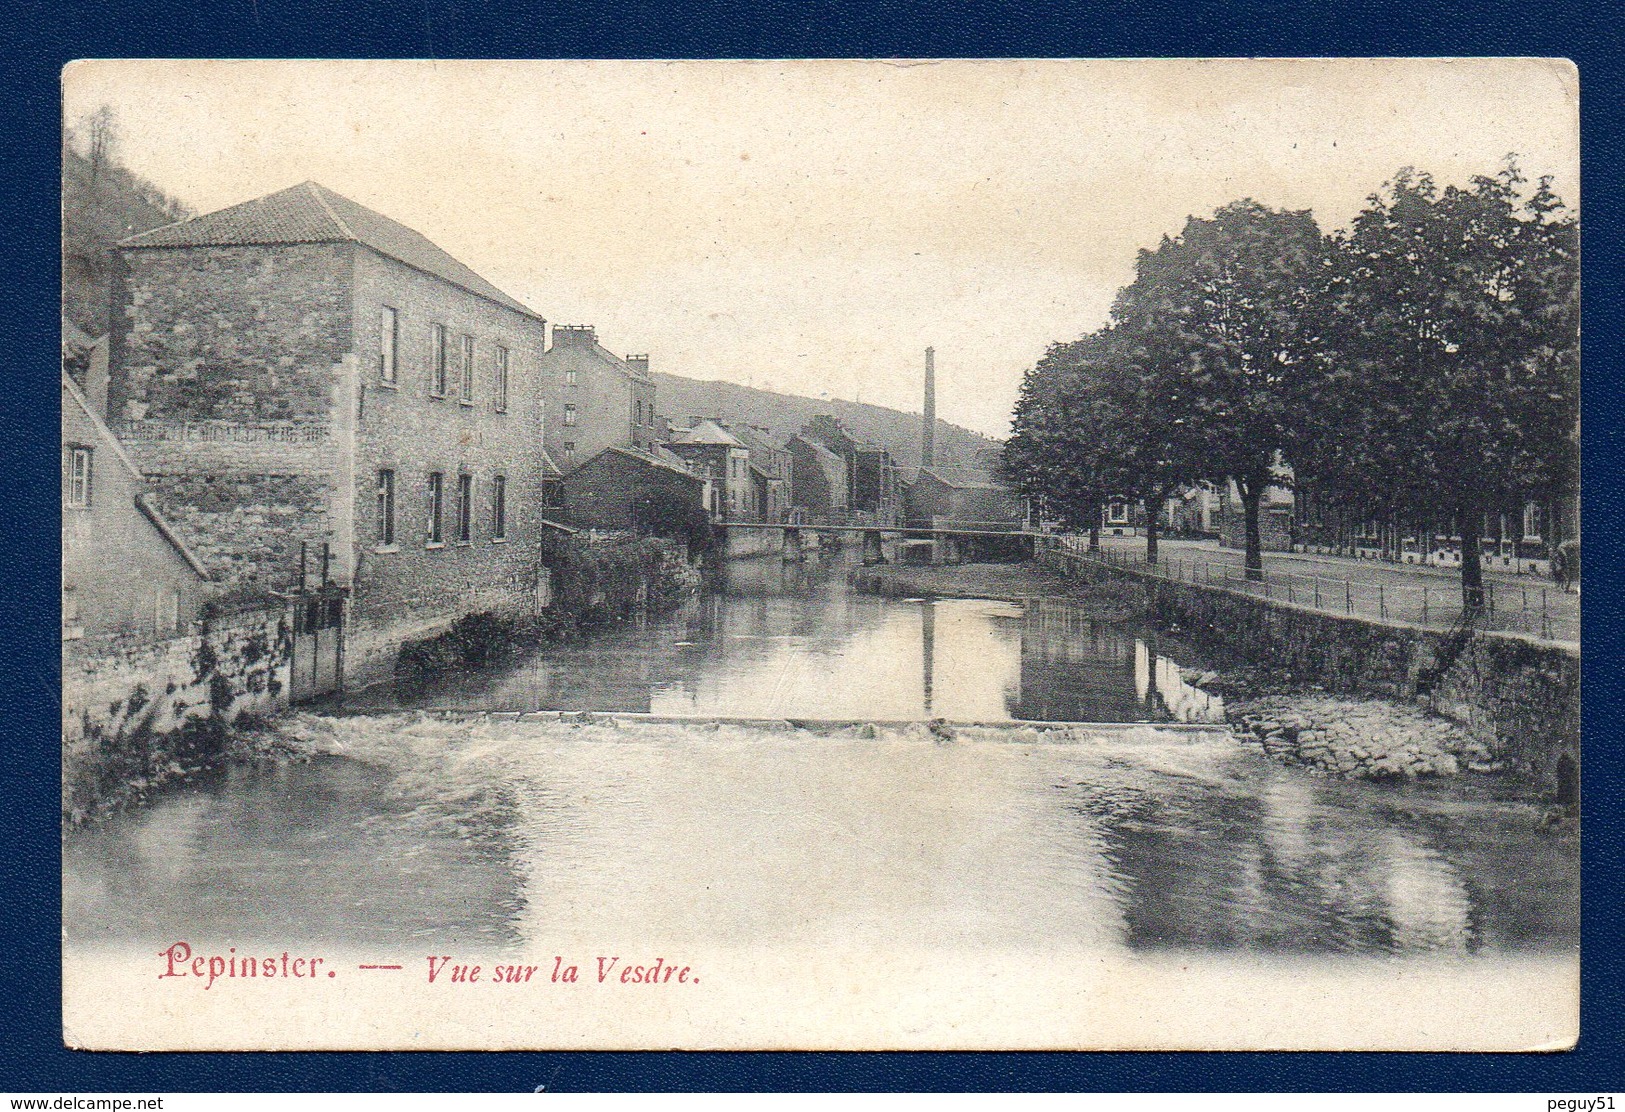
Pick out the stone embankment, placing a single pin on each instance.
(1019, 582)
(1363, 739)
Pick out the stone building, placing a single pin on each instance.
(595, 399)
(300, 368)
(770, 471)
(874, 489)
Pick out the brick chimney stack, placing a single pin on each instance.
(928, 433)
(574, 335)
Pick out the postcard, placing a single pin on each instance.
(848, 554)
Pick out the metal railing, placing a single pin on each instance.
(1514, 608)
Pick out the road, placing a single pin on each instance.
(1405, 592)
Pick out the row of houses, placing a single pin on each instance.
(1520, 538)
(299, 394)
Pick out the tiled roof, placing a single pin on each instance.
(312, 213)
(651, 460)
(706, 432)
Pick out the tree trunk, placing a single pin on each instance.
(1151, 538)
(1472, 568)
(1094, 536)
(1251, 495)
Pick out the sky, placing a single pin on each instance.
(812, 227)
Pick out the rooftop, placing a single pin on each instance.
(312, 213)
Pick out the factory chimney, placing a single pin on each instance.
(928, 432)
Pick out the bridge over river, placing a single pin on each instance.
(933, 541)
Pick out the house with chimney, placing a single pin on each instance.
(594, 398)
(298, 375)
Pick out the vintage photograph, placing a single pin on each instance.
(872, 554)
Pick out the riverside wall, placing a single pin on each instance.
(1517, 696)
(137, 711)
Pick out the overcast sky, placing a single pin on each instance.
(811, 227)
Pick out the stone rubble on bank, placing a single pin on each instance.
(1364, 739)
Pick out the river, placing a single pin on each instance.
(1161, 836)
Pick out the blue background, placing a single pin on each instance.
(40, 37)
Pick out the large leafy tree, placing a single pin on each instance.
(1224, 324)
(1062, 447)
(1455, 354)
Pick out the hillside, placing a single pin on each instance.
(784, 414)
(101, 205)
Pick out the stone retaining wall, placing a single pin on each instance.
(1518, 697)
(137, 711)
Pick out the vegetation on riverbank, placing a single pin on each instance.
(595, 583)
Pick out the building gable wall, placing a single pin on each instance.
(119, 572)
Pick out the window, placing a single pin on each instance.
(437, 505)
(502, 380)
(569, 451)
(1533, 521)
(465, 385)
(388, 341)
(499, 508)
(637, 413)
(553, 492)
(465, 508)
(570, 377)
(569, 414)
(437, 357)
(1117, 513)
(386, 508)
(76, 477)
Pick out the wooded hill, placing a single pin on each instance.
(102, 203)
(784, 414)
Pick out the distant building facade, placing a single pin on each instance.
(594, 398)
(964, 496)
(874, 489)
(722, 459)
(818, 482)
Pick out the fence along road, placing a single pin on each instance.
(1366, 589)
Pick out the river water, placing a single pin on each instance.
(516, 834)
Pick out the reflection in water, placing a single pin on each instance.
(528, 837)
(776, 640)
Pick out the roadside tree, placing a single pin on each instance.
(1455, 360)
(1222, 321)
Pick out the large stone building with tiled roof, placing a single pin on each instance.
(300, 368)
